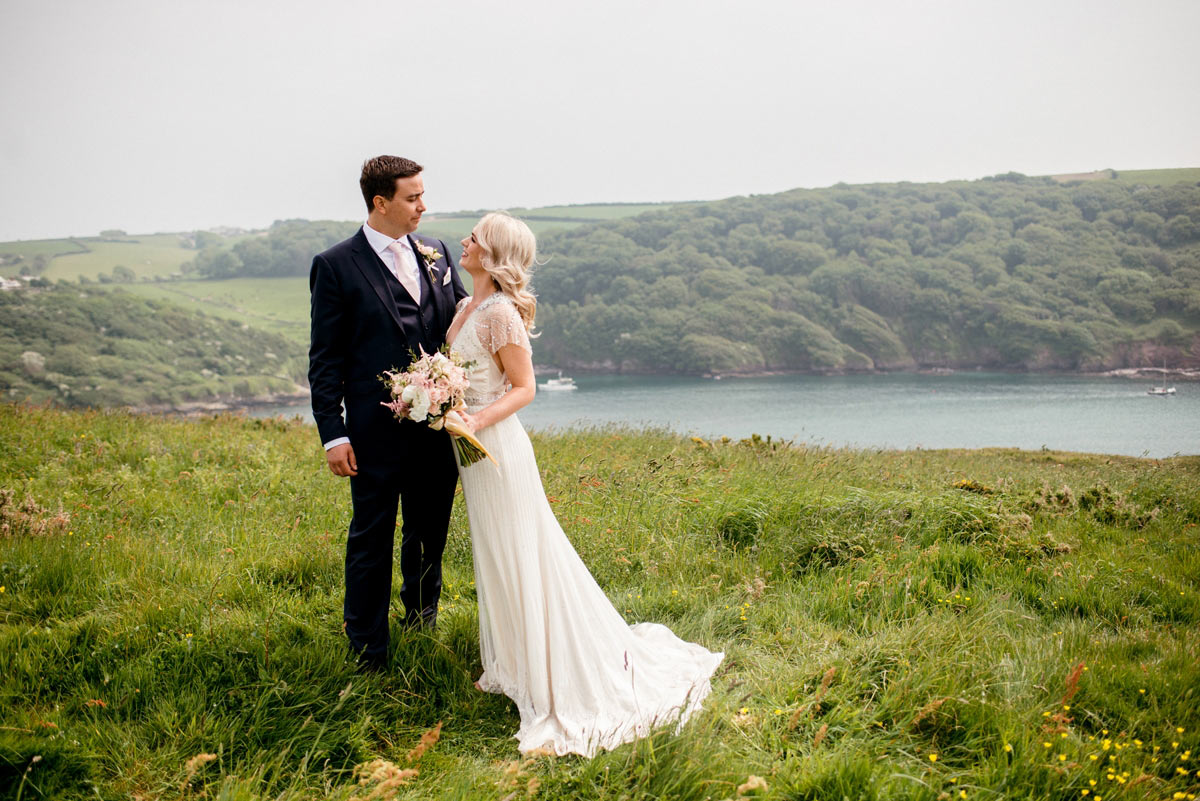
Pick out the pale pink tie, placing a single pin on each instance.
(403, 274)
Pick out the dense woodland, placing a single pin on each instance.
(1009, 272)
(110, 348)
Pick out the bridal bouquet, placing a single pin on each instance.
(431, 391)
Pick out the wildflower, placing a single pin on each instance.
(962, 793)
(1142, 691)
(1062, 757)
(1066, 707)
(1046, 745)
(2, 589)
(1093, 757)
(1181, 771)
(1008, 748)
(743, 710)
(778, 711)
(752, 783)
(195, 763)
(1179, 730)
(1063, 735)
(933, 757)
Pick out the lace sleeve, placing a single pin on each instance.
(500, 324)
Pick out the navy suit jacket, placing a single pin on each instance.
(365, 322)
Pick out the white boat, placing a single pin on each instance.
(559, 383)
(1164, 389)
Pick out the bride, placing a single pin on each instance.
(581, 677)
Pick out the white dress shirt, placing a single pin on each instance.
(380, 244)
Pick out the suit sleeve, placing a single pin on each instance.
(327, 353)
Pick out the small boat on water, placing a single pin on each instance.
(1164, 389)
(564, 383)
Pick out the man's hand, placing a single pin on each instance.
(341, 460)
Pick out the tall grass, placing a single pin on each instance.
(916, 624)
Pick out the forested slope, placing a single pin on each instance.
(1009, 272)
(110, 348)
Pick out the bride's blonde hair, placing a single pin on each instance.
(509, 253)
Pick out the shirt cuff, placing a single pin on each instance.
(333, 443)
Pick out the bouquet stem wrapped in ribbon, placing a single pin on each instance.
(431, 391)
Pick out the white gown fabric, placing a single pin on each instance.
(582, 678)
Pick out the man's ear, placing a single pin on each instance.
(379, 201)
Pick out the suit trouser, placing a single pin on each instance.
(423, 489)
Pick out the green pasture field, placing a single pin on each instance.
(278, 305)
(1188, 175)
(146, 256)
(992, 624)
(456, 225)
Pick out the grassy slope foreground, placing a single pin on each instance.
(921, 624)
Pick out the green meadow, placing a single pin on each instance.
(1186, 175)
(87, 257)
(896, 624)
(455, 226)
(277, 305)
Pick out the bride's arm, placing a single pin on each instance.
(518, 368)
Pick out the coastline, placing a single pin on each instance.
(232, 404)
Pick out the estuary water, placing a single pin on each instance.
(959, 410)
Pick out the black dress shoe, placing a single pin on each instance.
(425, 619)
(371, 663)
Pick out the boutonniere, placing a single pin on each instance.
(430, 256)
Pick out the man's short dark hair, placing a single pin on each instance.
(379, 177)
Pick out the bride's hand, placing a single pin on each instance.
(469, 422)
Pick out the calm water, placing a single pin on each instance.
(962, 410)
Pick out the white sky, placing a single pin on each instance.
(171, 115)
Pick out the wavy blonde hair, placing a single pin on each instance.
(509, 253)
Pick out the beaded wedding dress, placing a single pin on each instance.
(582, 678)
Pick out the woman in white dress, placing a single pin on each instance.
(581, 677)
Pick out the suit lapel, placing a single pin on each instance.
(431, 280)
(371, 267)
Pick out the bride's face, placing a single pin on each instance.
(471, 258)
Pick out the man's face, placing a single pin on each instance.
(404, 210)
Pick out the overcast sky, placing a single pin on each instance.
(170, 116)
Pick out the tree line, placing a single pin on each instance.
(1006, 272)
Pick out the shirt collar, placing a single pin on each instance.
(379, 242)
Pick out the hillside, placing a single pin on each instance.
(1006, 273)
(110, 348)
(1083, 272)
(914, 625)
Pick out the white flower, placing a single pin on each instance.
(418, 402)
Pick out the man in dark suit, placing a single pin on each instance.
(376, 298)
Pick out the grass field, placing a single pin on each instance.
(155, 254)
(897, 625)
(1189, 175)
(278, 305)
(457, 225)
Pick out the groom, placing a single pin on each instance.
(377, 297)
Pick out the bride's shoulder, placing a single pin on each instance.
(462, 304)
(499, 300)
